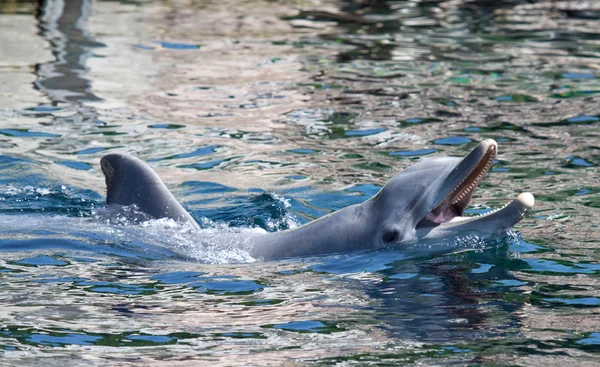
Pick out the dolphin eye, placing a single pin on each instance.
(390, 236)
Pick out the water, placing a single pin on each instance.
(263, 116)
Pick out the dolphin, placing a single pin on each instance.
(131, 182)
(424, 202)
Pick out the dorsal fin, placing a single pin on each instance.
(130, 181)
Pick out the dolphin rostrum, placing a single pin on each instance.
(424, 202)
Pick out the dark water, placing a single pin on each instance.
(265, 115)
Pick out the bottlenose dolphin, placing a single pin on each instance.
(424, 202)
(130, 181)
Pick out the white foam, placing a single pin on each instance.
(288, 218)
(218, 243)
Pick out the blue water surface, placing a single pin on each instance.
(263, 116)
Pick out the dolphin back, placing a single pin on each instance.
(130, 181)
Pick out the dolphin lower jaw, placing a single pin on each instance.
(493, 222)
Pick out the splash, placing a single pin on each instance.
(462, 243)
(150, 239)
(287, 221)
(10, 190)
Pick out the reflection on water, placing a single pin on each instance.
(63, 24)
(449, 302)
(268, 115)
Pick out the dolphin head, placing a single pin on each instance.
(126, 179)
(130, 181)
(428, 199)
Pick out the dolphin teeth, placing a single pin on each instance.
(473, 184)
(459, 197)
(493, 211)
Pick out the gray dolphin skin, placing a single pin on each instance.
(130, 181)
(424, 202)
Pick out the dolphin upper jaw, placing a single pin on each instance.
(458, 187)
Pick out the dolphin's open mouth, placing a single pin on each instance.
(452, 207)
